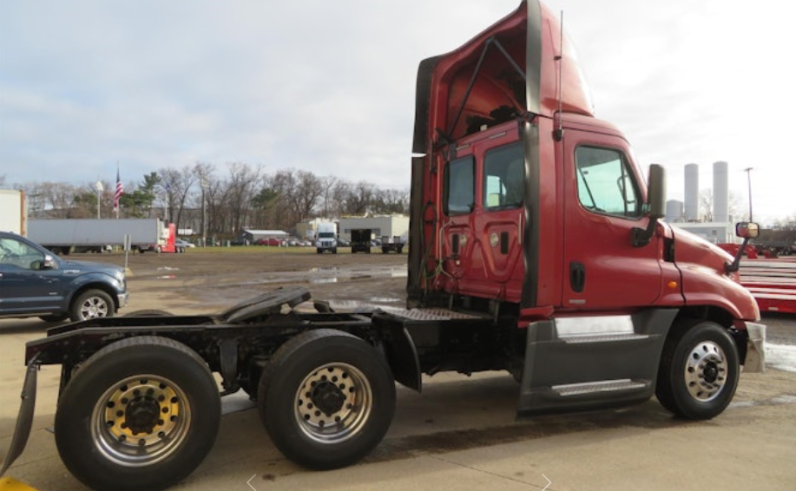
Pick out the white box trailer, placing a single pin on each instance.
(89, 234)
(13, 211)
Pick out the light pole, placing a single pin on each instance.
(100, 188)
(748, 171)
(204, 211)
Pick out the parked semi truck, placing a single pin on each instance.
(361, 240)
(67, 235)
(13, 211)
(535, 247)
(326, 239)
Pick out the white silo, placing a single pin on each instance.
(674, 211)
(721, 192)
(691, 192)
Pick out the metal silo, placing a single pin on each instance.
(691, 192)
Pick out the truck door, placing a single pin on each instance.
(603, 204)
(24, 286)
(483, 197)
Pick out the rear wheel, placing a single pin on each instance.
(326, 398)
(92, 304)
(141, 413)
(699, 371)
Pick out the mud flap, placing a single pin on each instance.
(585, 363)
(24, 419)
(755, 361)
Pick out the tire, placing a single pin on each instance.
(699, 370)
(54, 317)
(320, 251)
(92, 304)
(149, 313)
(359, 417)
(98, 445)
(334, 251)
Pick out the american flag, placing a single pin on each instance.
(118, 194)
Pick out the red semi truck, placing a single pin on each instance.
(535, 248)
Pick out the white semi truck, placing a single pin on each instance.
(326, 239)
(63, 236)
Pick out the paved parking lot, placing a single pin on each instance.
(460, 434)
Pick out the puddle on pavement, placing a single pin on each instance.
(384, 299)
(322, 269)
(167, 268)
(167, 277)
(317, 281)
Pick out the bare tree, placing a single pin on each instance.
(360, 199)
(309, 189)
(177, 184)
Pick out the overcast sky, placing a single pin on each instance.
(329, 86)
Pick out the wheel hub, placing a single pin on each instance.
(328, 397)
(141, 420)
(706, 371)
(333, 403)
(142, 415)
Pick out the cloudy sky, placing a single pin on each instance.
(329, 86)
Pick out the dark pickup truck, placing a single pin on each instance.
(36, 283)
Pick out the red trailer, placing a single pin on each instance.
(772, 282)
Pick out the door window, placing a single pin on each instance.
(504, 177)
(605, 183)
(459, 190)
(19, 254)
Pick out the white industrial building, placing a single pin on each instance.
(389, 225)
(685, 214)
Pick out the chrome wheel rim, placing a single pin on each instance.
(706, 371)
(93, 307)
(333, 403)
(140, 420)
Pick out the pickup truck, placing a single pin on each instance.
(36, 283)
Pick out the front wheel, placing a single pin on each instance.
(92, 304)
(699, 371)
(141, 413)
(326, 398)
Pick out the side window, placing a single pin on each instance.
(459, 190)
(605, 183)
(19, 254)
(504, 177)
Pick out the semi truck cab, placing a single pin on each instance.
(528, 209)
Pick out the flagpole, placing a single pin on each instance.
(118, 192)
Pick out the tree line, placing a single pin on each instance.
(243, 197)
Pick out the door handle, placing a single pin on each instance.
(577, 276)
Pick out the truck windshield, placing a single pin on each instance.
(326, 235)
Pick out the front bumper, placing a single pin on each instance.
(123, 299)
(755, 348)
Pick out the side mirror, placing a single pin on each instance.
(747, 230)
(49, 262)
(656, 192)
(656, 204)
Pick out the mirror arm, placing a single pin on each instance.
(736, 263)
(640, 236)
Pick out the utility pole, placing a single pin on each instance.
(748, 171)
